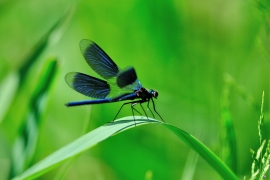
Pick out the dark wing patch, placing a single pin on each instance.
(126, 77)
(88, 85)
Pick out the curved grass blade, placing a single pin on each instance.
(24, 80)
(82, 144)
(191, 165)
(204, 152)
(227, 135)
(25, 144)
(90, 139)
(8, 89)
(41, 46)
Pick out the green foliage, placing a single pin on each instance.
(25, 143)
(31, 83)
(227, 132)
(201, 149)
(182, 49)
(96, 136)
(261, 158)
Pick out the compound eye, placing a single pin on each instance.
(155, 94)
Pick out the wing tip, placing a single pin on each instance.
(85, 43)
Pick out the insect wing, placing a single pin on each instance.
(88, 85)
(126, 77)
(98, 60)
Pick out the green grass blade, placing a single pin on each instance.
(8, 88)
(25, 77)
(40, 47)
(25, 143)
(227, 135)
(90, 139)
(204, 152)
(82, 144)
(190, 166)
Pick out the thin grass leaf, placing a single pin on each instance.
(90, 139)
(82, 144)
(190, 166)
(227, 132)
(62, 171)
(204, 152)
(260, 122)
(26, 77)
(41, 46)
(25, 144)
(8, 89)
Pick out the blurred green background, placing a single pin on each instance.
(201, 56)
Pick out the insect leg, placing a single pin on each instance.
(155, 109)
(120, 110)
(150, 109)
